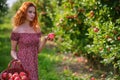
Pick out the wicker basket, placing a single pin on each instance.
(14, 67)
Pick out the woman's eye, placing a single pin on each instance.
(30, 11)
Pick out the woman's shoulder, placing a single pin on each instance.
(38, 30)
(17, 29)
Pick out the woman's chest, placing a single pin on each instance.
(29, 39)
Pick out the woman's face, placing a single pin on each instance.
(30, 14)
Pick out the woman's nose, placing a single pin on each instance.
(33, 14)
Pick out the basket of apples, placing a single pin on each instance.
(14, 71)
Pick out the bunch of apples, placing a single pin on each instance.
(15, 76)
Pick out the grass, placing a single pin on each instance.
(47, 61)
(5, 45)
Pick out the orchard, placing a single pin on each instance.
(86, 27)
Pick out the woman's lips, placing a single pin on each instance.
(32, 17)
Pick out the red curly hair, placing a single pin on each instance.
(20, 16)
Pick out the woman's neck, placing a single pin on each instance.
(27, 22)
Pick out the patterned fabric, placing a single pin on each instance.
(28, 44)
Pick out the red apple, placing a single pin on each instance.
(17, 78)
(91, 13)
(92, 78)
(4, 75)
(51, 35)
(24, 77)
(90, 69)
(118, 37)
(22, 74)
(11, 78)
(96, 29)
(80, 59)
(15, 75)
(9, 75)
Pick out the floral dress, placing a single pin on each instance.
(28, 44)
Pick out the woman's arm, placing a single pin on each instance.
(42, 43)
(13, 49)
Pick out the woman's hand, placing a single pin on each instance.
(47, 38)
(50, 37)
(18, 61)
(14, 54)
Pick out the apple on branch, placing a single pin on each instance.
(118, 37)
(95, 29)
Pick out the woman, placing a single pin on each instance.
(26, 35)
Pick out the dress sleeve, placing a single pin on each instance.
(14, 36)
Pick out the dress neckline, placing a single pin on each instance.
(26, 33)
